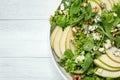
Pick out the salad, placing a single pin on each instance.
(85, 36)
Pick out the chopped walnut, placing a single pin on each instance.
(76, 77)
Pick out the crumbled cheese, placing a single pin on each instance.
(79, 58)
(115, 14)
(95, 48)
(92, 28)
(101, 50)
(96, 36)
(82, 53)
(97, 19)
(67, 3)
(117, 53)
(86, 29)
(118, 26)
(103, 5)
(62, 7)
(107, 45)
(114, 30)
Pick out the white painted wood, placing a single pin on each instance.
(28, 69)
(24, 38)
(24, 34)
(27, 9)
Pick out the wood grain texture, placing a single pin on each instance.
(27, 9)
(24, 38)
(28, 69)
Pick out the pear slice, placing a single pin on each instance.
(110, 52)
(68, 40)
(106, 60)
(116, 1)
(56, 46)
(105, 73)
(104, 66)
(107, 4)
(63, 39)
(112, 2)
(53, 34)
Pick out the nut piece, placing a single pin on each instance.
(76, 77)
(75, 29)
(95, 9)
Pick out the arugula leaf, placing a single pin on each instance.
(61, 20)
(88, 44)
(117, 41)
(67, 61)
(85, 66)
(116, 9)
(68, 54)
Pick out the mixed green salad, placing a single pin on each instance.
(85, 36)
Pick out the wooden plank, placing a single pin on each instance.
(27, 9)
(28, 69)
(24, 38)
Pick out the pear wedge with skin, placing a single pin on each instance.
(56, 44)
(105, 73)
(104, 66)
(106, 60)
(110, 53)
(52, 36)
(63, 39)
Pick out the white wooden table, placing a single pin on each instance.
(24, 27)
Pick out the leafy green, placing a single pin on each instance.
(116, 9)
(67, 61)
(68, 54)
(85, 66)
(88, 44)
(76, 14)
(117, 41)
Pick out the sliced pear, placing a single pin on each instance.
(107, 4)
(105, 73)
(110, 52)
(53, 34)
(112, 2)
(94, 4)
(68, 40)
(106, 60)
(56, 46)
(116, 1)
(104, 66)
(63, 39)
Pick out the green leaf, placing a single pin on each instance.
(61, 20)
(85, 66)
(117, 41)
(116, 9)
(88, 44)
(68, 54)
(70, 66)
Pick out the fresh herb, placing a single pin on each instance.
(76, 14)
